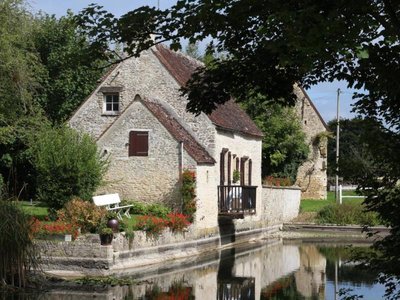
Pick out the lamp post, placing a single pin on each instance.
(337, 192)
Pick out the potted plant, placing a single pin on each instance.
(236, 176)
(106, 235)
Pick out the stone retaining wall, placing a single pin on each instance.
(85, 256)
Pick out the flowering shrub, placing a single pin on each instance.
(177, 292)
(83, 213)
(177, 222)
(276, 181)
(41, 229)
(188, 193)
(152, 225)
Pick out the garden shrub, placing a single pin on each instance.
(343, 214)
(85, 214)
(158, 210)
(177, 222)
(17, 251)
(276, 181)
(67, 165)
(137, 208)
(41, 229)
(151, 224)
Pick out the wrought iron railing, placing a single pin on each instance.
(236, 199)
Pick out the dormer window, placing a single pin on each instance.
(111, 99)
(111, 103)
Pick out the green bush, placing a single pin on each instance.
(343, 214)
(67, 165)
(138, 208)
(158, 210)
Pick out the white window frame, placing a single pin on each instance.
(113, 111)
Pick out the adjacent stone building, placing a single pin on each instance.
(311, 176)
(139, 120)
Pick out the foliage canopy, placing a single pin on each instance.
(67, 165)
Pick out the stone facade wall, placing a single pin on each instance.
(311, 176)
(152, 178)
(147, 77)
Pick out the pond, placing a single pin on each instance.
(274, 269)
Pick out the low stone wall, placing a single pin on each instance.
(280, 204)
(86, 257)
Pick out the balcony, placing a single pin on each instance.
(236, 200)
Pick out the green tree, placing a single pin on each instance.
(284, 147)
(72, 67)
(356, 161)
(270, 46)
(19, 63)
(20, 113)
(67, 165)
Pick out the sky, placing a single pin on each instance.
(323, 95)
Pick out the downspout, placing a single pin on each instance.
(180, 159)
(181, 169)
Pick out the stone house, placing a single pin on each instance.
(139, 120)
(311, 175)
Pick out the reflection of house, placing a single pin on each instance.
(311, 176)
(311, 277)
(139, 120)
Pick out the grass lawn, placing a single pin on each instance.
(310, 205)
(38, 210)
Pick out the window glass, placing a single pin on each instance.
(112, 102)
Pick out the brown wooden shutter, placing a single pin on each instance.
(138, 143)
(222, 168)
(229, 168)
(250, 167)
(242, 173)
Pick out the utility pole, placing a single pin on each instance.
(337, 197)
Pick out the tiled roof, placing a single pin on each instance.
(192, 147)
(228, 116)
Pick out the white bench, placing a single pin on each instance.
(111, 202)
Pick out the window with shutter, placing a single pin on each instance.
(138, 143)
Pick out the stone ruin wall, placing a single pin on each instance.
(311, 176)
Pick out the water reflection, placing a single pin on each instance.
(273, 270)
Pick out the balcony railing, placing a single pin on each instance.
(233, 199)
